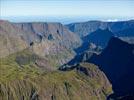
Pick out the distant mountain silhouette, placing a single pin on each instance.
(99, 38)
(99, 32)
(117, 62)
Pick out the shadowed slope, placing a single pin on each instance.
(117, 62)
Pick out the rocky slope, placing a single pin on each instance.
(129, 40)
(50, 31)
(23, 80)
(10, 40)
(52, 41)
(88, 30)
(85, 28)
(30, 51)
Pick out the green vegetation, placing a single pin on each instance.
(22, 79)
(18, 66)
(56, 59)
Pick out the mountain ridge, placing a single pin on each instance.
(37, 46)
(45, 39)
(85, 28)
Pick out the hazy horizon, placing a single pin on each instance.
(63, 20)
(66, 11)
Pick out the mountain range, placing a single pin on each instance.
(45, 39)
(85, 28)
(79, 61)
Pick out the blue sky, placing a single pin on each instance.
(115, 9)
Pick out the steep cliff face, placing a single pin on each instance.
(50, 31)
(52, 41)
(10, 40)
(100, 32)
(24, 80)
(85, 28)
